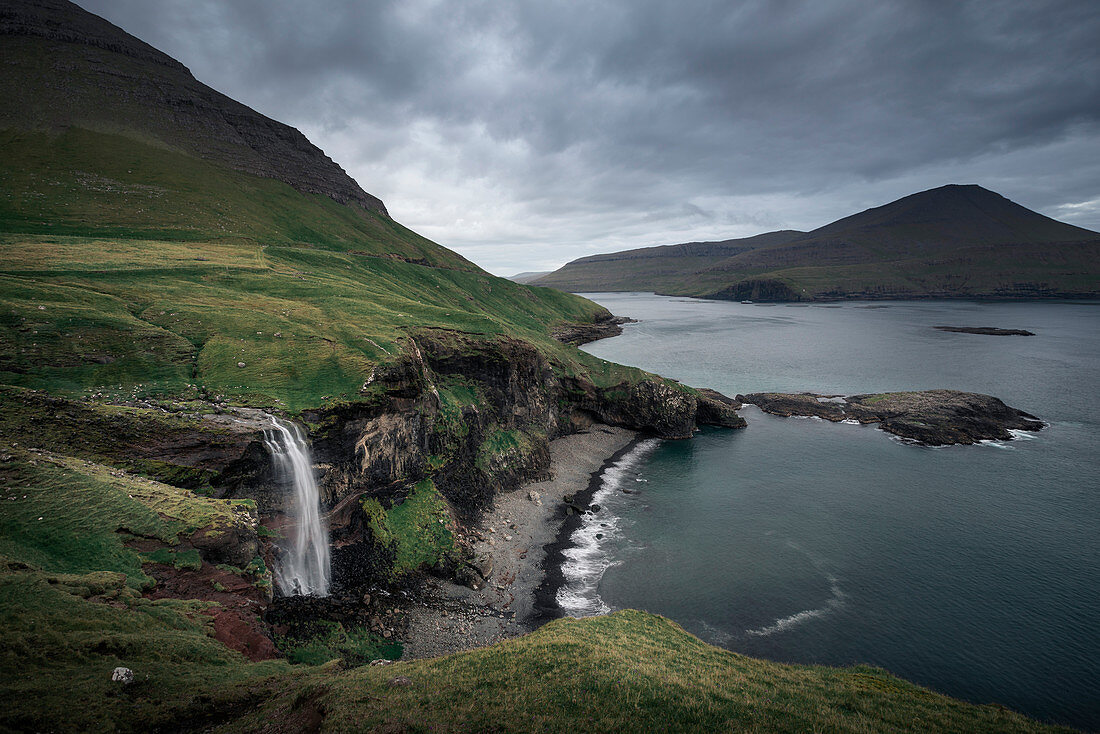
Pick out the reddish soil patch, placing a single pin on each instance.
(237, 621)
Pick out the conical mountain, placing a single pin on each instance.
(940, 220)
(951, 241)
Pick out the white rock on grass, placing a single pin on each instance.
(125, 676)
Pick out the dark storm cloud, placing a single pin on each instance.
(576, 127)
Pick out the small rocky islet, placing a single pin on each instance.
(926, 417)
(986, 330)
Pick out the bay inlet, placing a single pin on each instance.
(973, 570)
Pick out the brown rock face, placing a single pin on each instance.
(715, 409)
(373, 446)
(121, 83)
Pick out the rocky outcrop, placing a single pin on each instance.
(928, 417)
(656, 407)
(415, 422)
(716, 409)
(605, 325)
(987, 330)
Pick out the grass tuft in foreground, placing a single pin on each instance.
(629, 671)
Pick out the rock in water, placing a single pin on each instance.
(929, 417)
(987, 330)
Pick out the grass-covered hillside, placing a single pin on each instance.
(626, 672)
(154, 234)
(663, 269)
(949, 242)
(127, 269)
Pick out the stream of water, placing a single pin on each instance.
(303, 568)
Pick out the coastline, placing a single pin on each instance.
(545, 596)
(523, 533)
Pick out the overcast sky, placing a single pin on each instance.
(526, 133)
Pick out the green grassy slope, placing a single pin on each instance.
(953, 241)
(629, 671)
(159, 273)
(632, 671)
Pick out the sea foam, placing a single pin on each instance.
(587, 558)
(834, 602)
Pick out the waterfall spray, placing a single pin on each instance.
(303, 569)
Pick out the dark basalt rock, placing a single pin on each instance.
(929, 417)
(761, 289)
(605, 325)
(987, 330)
(716, 409)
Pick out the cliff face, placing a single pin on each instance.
(63, 67)
(473, 416)
(477, 417)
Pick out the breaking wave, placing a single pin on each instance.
(836, 601)
(587, 558)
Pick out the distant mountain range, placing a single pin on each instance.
(528, 276)
(956, 241)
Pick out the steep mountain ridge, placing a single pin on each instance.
(951, 241)
(64, 67)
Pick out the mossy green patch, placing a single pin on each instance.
(320, 641)
(415, 530)
(74, 516)
(877, 398)
(183, 560)
(502, 449)
(64, 634)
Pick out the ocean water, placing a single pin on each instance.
(973, 570)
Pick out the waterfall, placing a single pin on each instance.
(303, 569)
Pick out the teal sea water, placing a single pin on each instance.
(972, 570)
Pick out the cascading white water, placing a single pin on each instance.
(303, 569)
